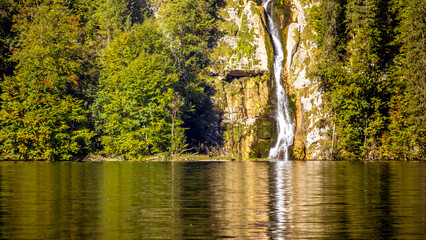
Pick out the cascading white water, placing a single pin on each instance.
(284, 124)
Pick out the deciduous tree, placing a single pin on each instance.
(40, 119)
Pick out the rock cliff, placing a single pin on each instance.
(310, 139)
(242, 60)
(244, 85)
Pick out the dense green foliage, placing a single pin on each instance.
(7, 37)
(192, 31)
(131, 77)
(372, 71)
(135, 106)
(40, 119)
(103, 76)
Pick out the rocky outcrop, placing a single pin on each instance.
(244, 85)
(311, 134)
(244, 46)
(238, 73)
(242, 59)
(292, 44)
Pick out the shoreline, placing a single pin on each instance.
(162, 158)
(197, 158)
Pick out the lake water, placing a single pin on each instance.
(213, 200)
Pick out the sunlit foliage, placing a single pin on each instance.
(40, 119)
(372, 74)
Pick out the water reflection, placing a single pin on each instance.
(279, 183)
(239, 201)
(354, 200)
(244, 200)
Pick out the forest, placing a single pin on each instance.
(372, 72)
(130, 78)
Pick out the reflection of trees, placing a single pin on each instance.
(135, 200)
(47, 201)
(327, 200)
(240, 197)
(355, 200)
(138, 200)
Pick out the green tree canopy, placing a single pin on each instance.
(39, 118)
(134, 105)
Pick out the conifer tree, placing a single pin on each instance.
(414, 29)
(328, 22)
(363, 112)
(331, 32)
(406, 136)
(352, 74)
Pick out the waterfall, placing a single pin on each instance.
(284, 124)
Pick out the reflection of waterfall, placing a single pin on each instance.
(280, 169)
(285, 127)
